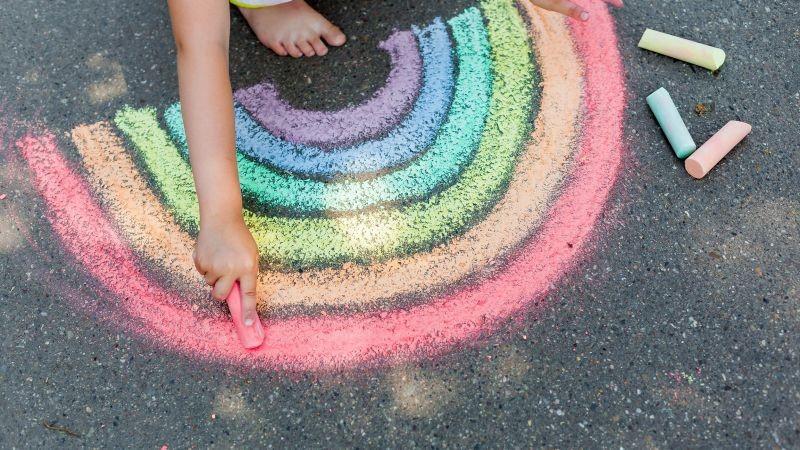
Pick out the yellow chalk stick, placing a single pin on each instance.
(679, 48)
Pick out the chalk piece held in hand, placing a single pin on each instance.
(712, 152)
(252, 336)
(671, 122)
(692, 52)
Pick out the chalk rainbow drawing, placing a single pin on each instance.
(398, 229)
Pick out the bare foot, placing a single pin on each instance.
(293, 28)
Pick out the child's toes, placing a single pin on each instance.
(292, 49)
(306, 48)
(278, 48)
(333, 35)
(319, 48)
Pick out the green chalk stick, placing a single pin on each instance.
(671, 122)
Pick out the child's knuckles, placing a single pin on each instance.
(223, 267)
(249, 265)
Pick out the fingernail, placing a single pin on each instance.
(584, 16)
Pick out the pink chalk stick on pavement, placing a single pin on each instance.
(709, 154)
(250, 337)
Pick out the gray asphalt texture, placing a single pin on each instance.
(682, 329)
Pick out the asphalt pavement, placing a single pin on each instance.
(680, 328)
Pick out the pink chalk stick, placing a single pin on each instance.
(251, 337)
(712, 152)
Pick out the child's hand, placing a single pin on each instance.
(226, 252)
(568, 8)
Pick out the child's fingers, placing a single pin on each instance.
(197, 264)
(247, 284)
(565, 7)
(223, 287)
(211, 279)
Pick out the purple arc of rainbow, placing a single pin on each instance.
(367, 120)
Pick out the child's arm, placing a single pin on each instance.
(225, 251)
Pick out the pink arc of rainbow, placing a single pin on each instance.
(337, 342)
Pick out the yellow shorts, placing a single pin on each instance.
(257, 3)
